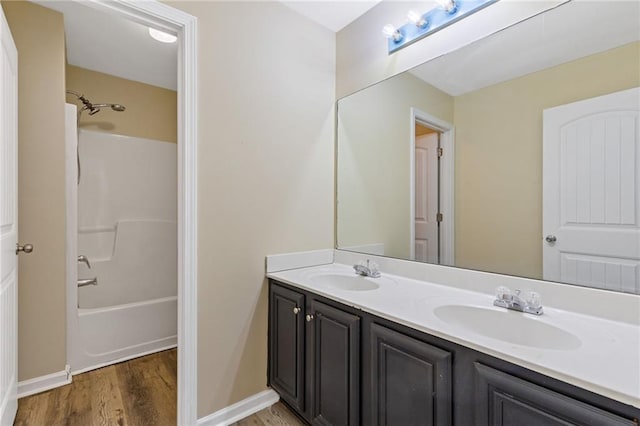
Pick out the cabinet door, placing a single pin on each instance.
(411, 380)
(286, 344)
(502, 399)
(334, 359)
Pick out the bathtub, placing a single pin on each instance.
(122, 217)
(118, 333)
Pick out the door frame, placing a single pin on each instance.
(447, 164)
(166, 18)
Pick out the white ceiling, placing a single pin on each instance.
(116, 46)
(573, 30)
(101, 42)
(334, 15)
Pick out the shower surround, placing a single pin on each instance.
(126, 227)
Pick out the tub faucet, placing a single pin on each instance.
(531, 304)
(83, 259)
(88, 281)
(367, 269)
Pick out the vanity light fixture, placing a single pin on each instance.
(417, 19)
(449, 6)
(420, 26)
(392, 33)
(161, 36)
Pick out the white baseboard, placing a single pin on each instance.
(44, 383)
(240, 410)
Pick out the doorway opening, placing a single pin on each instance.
(168, 19)
(431, 186)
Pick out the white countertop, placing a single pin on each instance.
(606, 361)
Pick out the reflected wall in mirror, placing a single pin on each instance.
(539, 139)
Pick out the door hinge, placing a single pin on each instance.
(439, 217)
(440, 152)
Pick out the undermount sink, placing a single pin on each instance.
(507, 326)
(347, 281)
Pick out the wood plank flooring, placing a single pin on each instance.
(276, 415)
(138, 392)
(141, 391)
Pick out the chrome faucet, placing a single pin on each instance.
(367, 269)
(531, 304)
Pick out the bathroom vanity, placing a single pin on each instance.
(349, 350)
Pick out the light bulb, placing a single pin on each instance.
(161, 36)
(392, 32)
(416, 19)
(448, 5)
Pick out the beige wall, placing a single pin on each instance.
(39, 37)
(265, 156)
(498, 194)
(151, 111)
(373, 158)
(265, 176)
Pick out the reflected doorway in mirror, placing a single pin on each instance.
(431, 186)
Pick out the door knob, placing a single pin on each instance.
(309, 317)
(296, 310)
(551, 239)
(27, 248)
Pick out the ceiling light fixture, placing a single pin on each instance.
(420, 26)
(161, 36)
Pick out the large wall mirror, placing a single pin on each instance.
(518, 154)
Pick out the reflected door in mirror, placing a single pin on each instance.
(591, 207)
(426, 195)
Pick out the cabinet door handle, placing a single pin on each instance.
(296, 310)
(309, 317)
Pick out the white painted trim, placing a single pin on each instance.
(412, 185)
(44, 383)
(71, 222)
(167, 18)
(303, 259)
(240, 410)
(447, 198)
(447, 176)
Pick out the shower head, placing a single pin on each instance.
(114, 107)
(94, 108)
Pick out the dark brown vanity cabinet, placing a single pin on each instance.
(314, 357)
(287, 345)
(410, 380)
(333, 355)
(337, 365)
(505, 400)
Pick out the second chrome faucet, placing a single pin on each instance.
(368, 269)
(530, 304)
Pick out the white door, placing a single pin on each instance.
(8, 225)
(591, 192)
(426, 196)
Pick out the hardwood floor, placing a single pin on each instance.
(138, 392)
(278, 414)
(141, 391)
